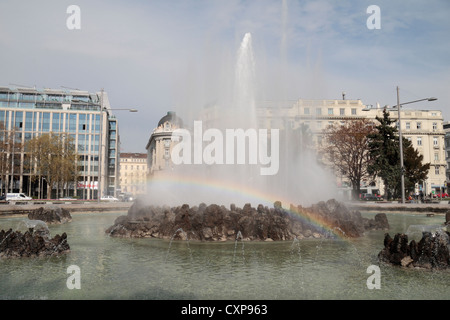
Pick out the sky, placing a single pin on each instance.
(174, 55)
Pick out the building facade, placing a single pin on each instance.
(424, 128)
(159, 146)
(133, 173)
(447, 151)
(26, 113)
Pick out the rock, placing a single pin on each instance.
(50, 215)
(406, 261)
(217, 223)
(431, 252)
(15, 244)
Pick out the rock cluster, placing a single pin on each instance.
(50, 215)
(431, 252)
(217, 223)
(31, 243)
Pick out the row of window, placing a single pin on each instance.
(138, 167)
(318, 111)
(133, 159)
(14, 96)
(49, 121)
(419, 141)
(419, 126)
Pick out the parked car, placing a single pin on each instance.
(126, 197)
(17, 197)
(370, 197)
(440, 195)
(109, 198)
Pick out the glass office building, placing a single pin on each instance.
(86, 117)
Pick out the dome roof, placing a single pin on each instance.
(172, 118)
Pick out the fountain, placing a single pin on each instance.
(298, 177)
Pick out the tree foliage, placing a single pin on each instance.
(385, 156)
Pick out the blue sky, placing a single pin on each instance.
(179, 55)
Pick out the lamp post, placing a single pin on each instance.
(100, 152)
(402, 169)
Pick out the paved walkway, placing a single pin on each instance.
(92, 206)
(425, 208)
(25, 208)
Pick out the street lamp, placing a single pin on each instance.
(402, 169)
(99, 187)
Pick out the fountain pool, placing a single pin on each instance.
(152, 269)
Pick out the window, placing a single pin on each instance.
(55, 122)
(72, 122)
(330, 111)
(318, 111)
(435, 142)
(419, 125)
(45, 118)
(436, 170)
(408, 125)
(419, 141)
(434, 126)
(353, 111)
(81, 122)
(319, 140)
(306, 111)
(342, 111)
(19, 119)
(436, 156)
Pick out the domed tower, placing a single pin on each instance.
(160, 144)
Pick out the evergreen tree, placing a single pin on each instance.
(415, 170)
(385, 158)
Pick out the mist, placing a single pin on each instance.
(299, 180)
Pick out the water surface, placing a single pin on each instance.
(115, 268)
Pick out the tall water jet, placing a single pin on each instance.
(244, 107)
(294, 177)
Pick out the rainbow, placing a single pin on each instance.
(188, 185)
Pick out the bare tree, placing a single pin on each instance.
(10, 151)
(53, 157)
(346, 149)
